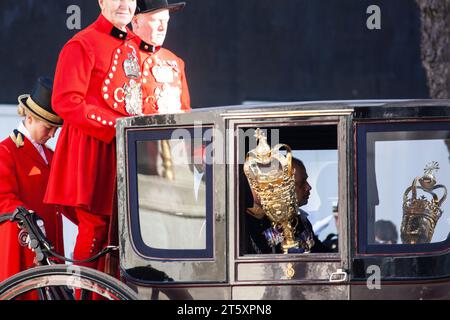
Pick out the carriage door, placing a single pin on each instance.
(402, 244)
(169, 220)
(261, 270)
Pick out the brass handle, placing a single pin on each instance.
(339, 276)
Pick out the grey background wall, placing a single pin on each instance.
(240, 50)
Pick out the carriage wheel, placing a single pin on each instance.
(59, 282)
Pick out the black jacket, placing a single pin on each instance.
(257, 243)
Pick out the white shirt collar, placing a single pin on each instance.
(22, 129)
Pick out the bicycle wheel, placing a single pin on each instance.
(58, 282)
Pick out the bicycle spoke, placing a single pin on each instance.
(84, 295)
(52, 294)
(63, 293)
(41, 294)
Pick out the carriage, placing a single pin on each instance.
(182, 195)
(182, 211)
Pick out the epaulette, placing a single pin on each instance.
(17, 138)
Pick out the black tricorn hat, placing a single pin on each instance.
(39, 102)
(145, 6)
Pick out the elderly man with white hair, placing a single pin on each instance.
(164, 83)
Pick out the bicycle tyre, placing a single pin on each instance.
(72, 276)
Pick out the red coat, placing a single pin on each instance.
(23, 180)
(89, 94)
(164, 84)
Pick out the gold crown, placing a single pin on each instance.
(271, 176)
(420, 215)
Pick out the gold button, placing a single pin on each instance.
(106, 96)
(93, 117)
(104, 122)
(99, 119)
(110, 124)
(121, 35)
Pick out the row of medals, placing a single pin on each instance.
(167, 97)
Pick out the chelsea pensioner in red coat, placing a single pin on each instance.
(97, 81)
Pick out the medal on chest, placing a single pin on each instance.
(125, 83)
(164, 92)
(163, 74)
(132, 90)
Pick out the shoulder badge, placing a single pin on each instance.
(17, 138)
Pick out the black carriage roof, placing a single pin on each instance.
(360, 109)
(333, 105)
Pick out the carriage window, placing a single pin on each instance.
(403, 174)
(172, 210)
(316, 190)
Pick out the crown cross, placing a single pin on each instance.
(259, 134)
(431, 168)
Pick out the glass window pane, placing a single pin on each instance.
(394, 160)
(172, 194)
(316, 193)
(322, 167)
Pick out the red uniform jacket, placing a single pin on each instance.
(89, 93)
(23, 180)
(164, 84)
